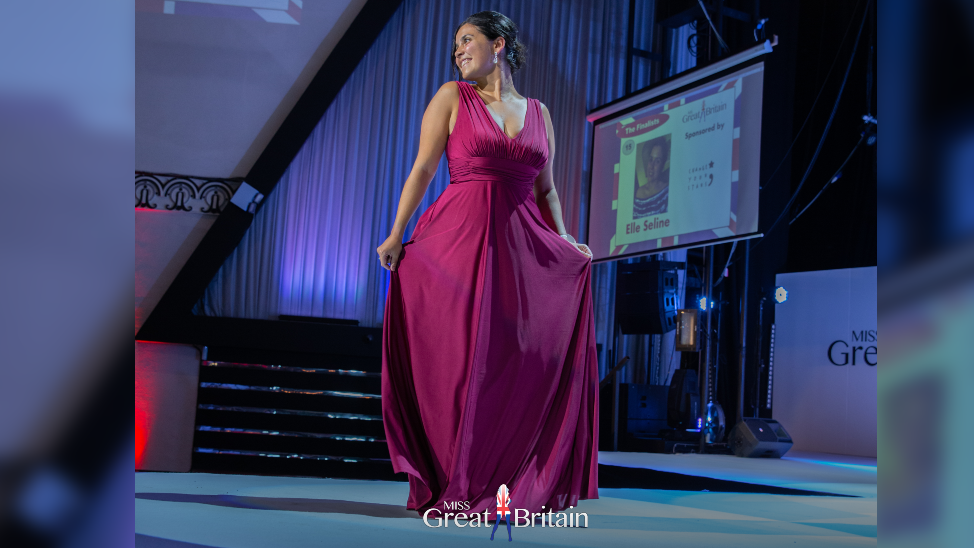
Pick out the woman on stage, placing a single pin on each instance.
(489, 366)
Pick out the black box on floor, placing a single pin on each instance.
(642, 413)
(760, 438)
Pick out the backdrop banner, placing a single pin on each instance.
(825, 360)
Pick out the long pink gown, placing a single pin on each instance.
(489, 366)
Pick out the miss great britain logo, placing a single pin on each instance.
(701, 115)
(434, 517)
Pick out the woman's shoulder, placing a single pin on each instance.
(451, 88)
(544, 110)
(446, 97)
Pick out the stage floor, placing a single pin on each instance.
(231, 511)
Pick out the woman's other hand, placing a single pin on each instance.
(389, 252)
(584, 249)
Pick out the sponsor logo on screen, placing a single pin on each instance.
(700, 115)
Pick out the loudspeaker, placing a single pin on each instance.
(646, 297)
(760, 438)
(683, 400)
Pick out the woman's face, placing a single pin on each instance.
(654, 163)
(474, 55)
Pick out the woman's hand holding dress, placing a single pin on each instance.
(584, 249)
(389, 252)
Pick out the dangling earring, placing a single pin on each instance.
(495, 57)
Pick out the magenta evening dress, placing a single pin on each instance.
(489, 365)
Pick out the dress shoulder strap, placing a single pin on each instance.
(464, 89)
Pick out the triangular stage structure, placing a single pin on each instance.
(173, 321)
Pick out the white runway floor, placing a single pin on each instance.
(235, 511)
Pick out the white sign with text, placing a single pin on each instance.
(826, 353)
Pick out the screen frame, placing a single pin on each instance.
(749, 57)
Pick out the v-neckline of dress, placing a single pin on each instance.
(524, 124)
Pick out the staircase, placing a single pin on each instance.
(293, 414)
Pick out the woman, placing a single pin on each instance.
(489, 369)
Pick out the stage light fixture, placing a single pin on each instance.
(715, 424)
(869, 127)
(780, 294)
(686, 330)
(703, 303)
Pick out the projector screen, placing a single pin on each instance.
(678, 166)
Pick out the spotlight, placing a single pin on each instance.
(760, 27)
(780, 294)
(869, 129)
(703, 303)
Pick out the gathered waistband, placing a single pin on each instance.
(485, 168)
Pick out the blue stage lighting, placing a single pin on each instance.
(780, 294)
(703, 303)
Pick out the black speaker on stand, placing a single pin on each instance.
(646, 297)
(645, 304)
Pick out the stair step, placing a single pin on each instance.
(275, 397)
(302, 391)
(247, 439)
(296, 377)
(294, 464)
(315, 435)
(296, 359)
(290, 420)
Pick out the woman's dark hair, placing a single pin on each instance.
(493, 25)
(662, 142)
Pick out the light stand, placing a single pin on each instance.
(704, 373)
(742, 359)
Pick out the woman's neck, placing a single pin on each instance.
(499, 84)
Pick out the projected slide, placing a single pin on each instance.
(680, 170)
(675, 169)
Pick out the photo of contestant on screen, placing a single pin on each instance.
(652, 178)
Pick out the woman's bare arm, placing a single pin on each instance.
(432, 142)
(545, 194)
